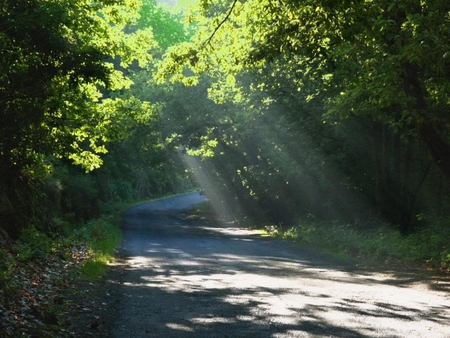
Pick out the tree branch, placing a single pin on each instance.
(208, 40)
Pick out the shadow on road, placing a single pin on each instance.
(185, 276)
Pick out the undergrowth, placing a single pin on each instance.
(98, 239)
(38, 269)
(103, 236)
(429, 245)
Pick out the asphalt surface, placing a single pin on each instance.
(190, 277)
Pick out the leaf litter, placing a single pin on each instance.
(37, 298)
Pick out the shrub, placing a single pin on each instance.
(7, 264)
(385, 243)
(103, 236)
(79, 197)
(32, 245)
(431, 243)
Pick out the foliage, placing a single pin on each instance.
(103, 237)
(428, 246)
(51, 72)
(79, 195)
(60, 61)
(355, 95)
(378, 63)
(167, 28)
(37, 273)
(279, 110)
(7, 267)
(33, 245)
(390, 63)
(35, 284)
(96, 113)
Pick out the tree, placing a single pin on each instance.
(387, 59)
(167, 28)
(359, 67)
(53, 71)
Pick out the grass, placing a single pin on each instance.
(428, 246)
(103, 235)
(94, 269)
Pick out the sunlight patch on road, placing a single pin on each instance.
(212, 320)
(292, 301)
(138, 262)
(265, 289)
(234, 231)
(179, 327)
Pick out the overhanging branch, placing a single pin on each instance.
(221, 23)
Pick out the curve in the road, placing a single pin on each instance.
(196, 278)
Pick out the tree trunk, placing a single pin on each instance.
(405, 198)
(437, 147)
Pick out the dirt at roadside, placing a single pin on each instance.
(97, 304)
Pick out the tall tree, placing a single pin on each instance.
(53, 71)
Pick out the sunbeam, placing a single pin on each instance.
(205, 179)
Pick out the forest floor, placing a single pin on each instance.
(35, 300)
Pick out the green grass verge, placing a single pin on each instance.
(104, 236)
(429, 245)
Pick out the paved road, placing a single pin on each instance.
(188, 277)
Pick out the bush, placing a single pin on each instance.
(103, 236)
(79, 197)
(32, 245)
(93, 269)
(429, 245)
(7, 264)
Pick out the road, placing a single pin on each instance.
(189, 277)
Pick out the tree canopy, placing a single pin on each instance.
(53, 71)
(56, 64)
(286, 108)
(386, 59)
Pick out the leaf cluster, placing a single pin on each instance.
(378, 58)
(53, 66)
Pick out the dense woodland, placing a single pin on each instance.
(281, 111)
